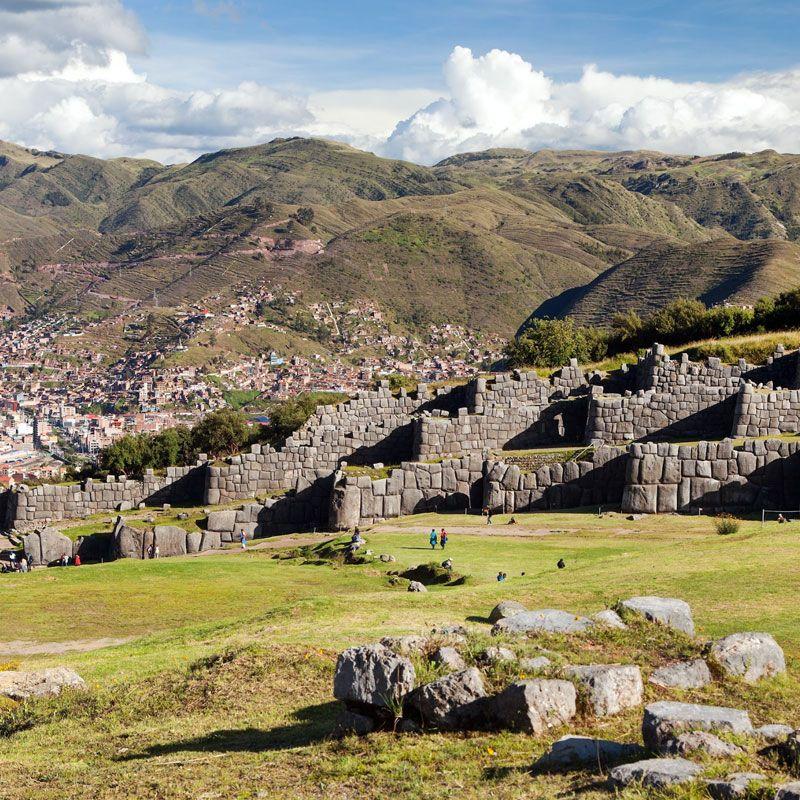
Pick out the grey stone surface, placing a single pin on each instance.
(352, 722)
(171, 540)
(535, 664)
(46, 546)
(20, 685)
(535, 706)
(682, 675)
(584, 751)
(750, 656)
(548, 620)
(774, 732)
(372, 675)
(494, 655)
(405, 645)
(788, 791)
(611, 688)
(609, 618)
(416, 586)
(699, 742)
(654, 773)
(667, 611)
(451, 702)
(738, 784)
(221, 521)
(667, 719)
(449, 658)
(505, 608)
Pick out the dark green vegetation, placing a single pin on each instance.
(552, 342)
(481, 239)
(218, 434)
(224, 688)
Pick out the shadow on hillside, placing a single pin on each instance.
(315, 724)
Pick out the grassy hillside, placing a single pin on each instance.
(723, 269)
(223, 687)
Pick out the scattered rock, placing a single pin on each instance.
(451, 702)
(386, 558)
(182, 515)
(450, 658)
(46, 546)
(536, 664)
(654, 773)
(20, 685)
(416, 586)
(612, 687)
(583, 751)
(505, 608)
(494, 655)
(452, 631)
(774, 733)
(353, 722)
(667, 611)
(739, 784)
(546, 620)
(610, 619)
(788, 791)
(682, 675)
(666, 719)
(372, 675)
(788, 752)
(751, 656)
(534, 706)
(702, 742)
(405, 645)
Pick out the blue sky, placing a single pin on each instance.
(419, 79)
(313, 45)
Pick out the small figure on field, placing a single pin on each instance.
(157, 552)
(501, 576)
(77, 560)
(561, 563)
(448, 563)
(781, 518)
(243, 540)
(433, 539)
(443, 538)
(512, 521)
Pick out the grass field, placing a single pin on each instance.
(223, 688)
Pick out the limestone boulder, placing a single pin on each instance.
(750, 656)
(667, 611)
(685, 744)
(372, 675)
(535, 706)
(496, 655)
(610, 619)
(449, 658)
(505, 608)
(20, 685)
(739, 784)
(666, 719)
(693, 674)
(193, 541)
(788, 791)
(130, 542)
(654, 773)
(416, 586)
(611, 688)
(453, 702)
(534, 664)
(584, 751)
(774, 733)
(548, 620)
(405, 645)
(46, 546)
(170, 539)
(345, 508)
(211, 541)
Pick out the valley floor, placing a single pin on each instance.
(221, 685)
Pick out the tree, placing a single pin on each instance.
(220, 433)
(553, 342)
(173, 446)
(304, 215)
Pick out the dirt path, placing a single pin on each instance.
(22, 647)
(475, 530)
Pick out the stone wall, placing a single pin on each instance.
(571, 484)
(30, 507)
(373, 427)
(664, 478)
(413, 488)
(766, 412)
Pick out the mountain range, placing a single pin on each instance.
(481, 239)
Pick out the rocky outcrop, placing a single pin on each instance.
(654, 773)
(21, 685)
(548, 620)
(535, 706)
(749, 656)
(372, 676)
(450, 703)
(46, 546)
(610, 688)
(693, 674)
(667, 611)
(665, 720)
(504, 609)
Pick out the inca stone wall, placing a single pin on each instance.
(30, 507)
(570, 484)
(664, 478)
(766, 412)
(412, 488)
(373, 427)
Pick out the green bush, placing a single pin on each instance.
(553, 342)
(726, 525)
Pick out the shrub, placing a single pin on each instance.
(725, 525)
(553, 342)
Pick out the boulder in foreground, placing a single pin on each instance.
(584, 751)
(451, 702)
(693, 674)
(611, 687)
(546, 620)
(654, 773)
(667, 611)
(20, 685)
(534, 706)
(665, 720)
(372, 675)
(750, 656)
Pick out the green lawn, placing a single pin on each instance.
(168, 717)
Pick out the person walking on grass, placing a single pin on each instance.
(433, 539)
(243, 540)
(442, 538)
(488, 516)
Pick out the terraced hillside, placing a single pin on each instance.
(481, 239)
